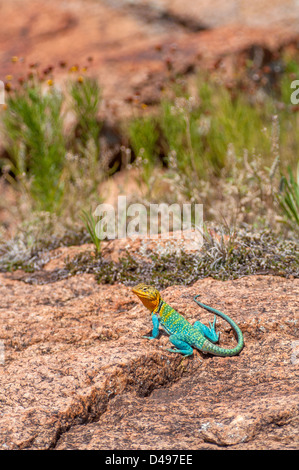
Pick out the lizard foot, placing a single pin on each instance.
(208, 332)
(174, 350)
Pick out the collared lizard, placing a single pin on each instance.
(183, 335)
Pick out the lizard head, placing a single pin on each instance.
(149, 296)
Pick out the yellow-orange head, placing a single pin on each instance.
(149, 296)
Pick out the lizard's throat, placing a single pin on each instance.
(150, 304)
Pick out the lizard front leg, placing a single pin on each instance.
(155, 332)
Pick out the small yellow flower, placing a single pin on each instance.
(50, 82)
(74, 68)
(9, 78)
(144, 106)
(4, 106)
(14, 59)
(80, 79)
(8, 86)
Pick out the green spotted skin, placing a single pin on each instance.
(174, 323)
(183, 335)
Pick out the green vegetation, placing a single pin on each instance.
(202, 130)
(85, 96)
(289, 198)
(34, 141)
(232, 146)
(41, 160)
(226, 257)
(29, 248)
(90, 224)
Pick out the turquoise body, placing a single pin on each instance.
(185, 336)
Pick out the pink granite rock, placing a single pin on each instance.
(76, 373)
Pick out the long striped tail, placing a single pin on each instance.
(213, 348)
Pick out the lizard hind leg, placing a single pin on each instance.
(208, 332)
(180, 346)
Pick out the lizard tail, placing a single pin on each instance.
(213, 348)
